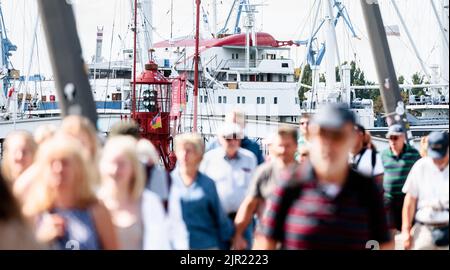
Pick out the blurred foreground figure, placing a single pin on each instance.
(283, 146)
(19, 149)
(427, 198)
(194, 199)
(14, 232)
(61, 202)
(325, 204)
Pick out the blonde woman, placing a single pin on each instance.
(19, 149)
(66, 212)
(138, 215)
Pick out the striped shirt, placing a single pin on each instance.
(396, 170)
(316, 220)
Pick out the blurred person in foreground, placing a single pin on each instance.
(137, 213)
(15, 234)
(19, 149)
(238, 117)
(282, 148)
(398, 160)
(61, 202)
(427, 198)
(325, 204)
(196, 217)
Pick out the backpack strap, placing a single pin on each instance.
(374, 160)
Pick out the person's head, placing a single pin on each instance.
(19, 150)
(304, 124)
(230, 136)
(120, 166)
(423, 146)
(44, 132)
(81, 128)
(396, 137)
(130, 128)
(360, 138)
(189, 150)
(438, 148)
(284, 144)
(147, 152)
(331, 139)
(237, 117)
(64, 171)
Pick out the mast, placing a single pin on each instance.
(330, 49)
(133, 103)
(214, 18)
(444, 45)
(196, 62)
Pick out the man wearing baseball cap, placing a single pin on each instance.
(318, 203)
(427, 198)
(398, 160)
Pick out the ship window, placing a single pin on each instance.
(205, 99)
(225, 99)
(275, 100)
(296, 100)
(263, 100)
(258, 100)
(220, 99)
(284, 65)
(243, 100)
(238, 100)
(201, 99)
(284, 78)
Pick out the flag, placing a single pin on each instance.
(156, 121)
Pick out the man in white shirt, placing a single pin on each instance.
(231, 167)
(427, 198)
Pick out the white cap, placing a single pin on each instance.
(231, 130)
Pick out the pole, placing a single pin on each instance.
(133, 103)
(389, 88)
(72, 83)
(196, 63)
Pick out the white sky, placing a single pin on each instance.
(284, 19)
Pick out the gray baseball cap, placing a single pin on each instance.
(395, 130)
(437, 145)
(333, 116)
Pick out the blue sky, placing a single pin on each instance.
(282, 18)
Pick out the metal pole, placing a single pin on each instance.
(196, 63)
(389, 89)
(72, 84)
(133, 104)
(441, 26)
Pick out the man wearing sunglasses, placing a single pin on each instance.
(231, 167)
(398, 160)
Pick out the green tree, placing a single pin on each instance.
(307, 79)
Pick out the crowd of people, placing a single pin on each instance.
(323, 185)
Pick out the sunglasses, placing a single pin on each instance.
(305, 123)
(394, 138)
